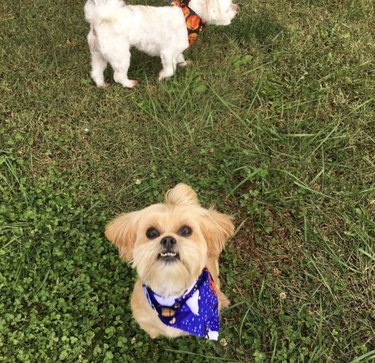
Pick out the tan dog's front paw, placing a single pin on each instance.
(223, 301)
(153, 334)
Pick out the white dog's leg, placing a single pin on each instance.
(98, 65)
(182, 62)
(169, 65)
(120, 67)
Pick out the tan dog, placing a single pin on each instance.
(170, 244)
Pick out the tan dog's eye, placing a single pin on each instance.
(152, 233)
(185, 231)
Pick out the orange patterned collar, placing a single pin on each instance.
(194, 23)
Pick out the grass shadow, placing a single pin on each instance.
(261, 27)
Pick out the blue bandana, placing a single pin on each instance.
(195, 312)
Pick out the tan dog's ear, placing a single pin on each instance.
(181, 194)
(217, 228)
(122, 233)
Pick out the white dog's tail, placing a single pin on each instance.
(97, 11)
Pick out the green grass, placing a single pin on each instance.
(273, 122)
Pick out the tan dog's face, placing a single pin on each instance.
(169, 244)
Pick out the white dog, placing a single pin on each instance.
(158, 31)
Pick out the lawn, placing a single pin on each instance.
(273, 122)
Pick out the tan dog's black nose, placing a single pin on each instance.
(168, 242)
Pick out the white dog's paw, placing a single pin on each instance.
(130, 83)
(188, 62)
(164, 74)
(103, 85)
(161, 76)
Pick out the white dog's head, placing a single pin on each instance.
(169, 244)
(216, 12)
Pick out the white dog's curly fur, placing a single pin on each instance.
(157, 31)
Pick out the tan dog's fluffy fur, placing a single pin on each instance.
(201, 248)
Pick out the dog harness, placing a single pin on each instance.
(194, 23)
(195, 312)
